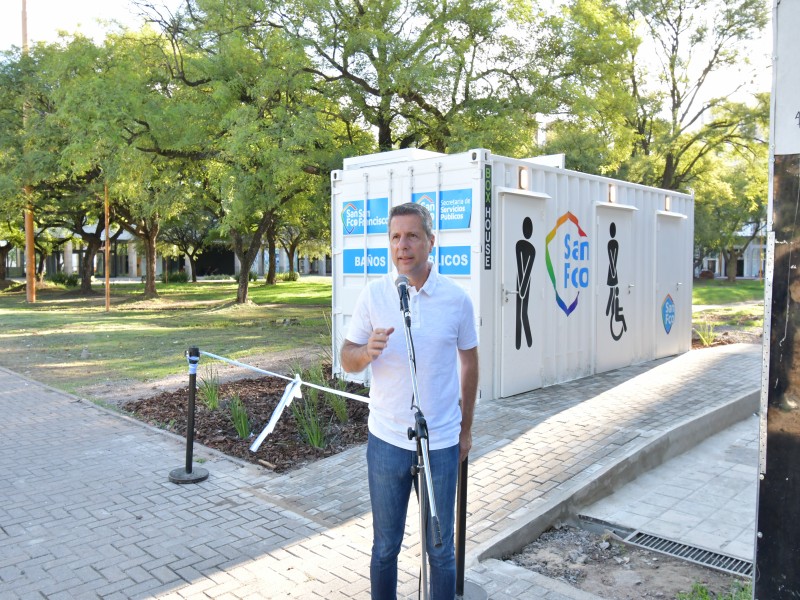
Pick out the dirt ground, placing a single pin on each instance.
(283, 450)
(606, 567)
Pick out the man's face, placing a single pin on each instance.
(410, 246)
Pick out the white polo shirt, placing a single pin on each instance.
(442, 322)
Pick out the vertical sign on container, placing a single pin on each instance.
(487, 218)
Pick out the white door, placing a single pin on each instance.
(523, 276)
(670, 292)
(616, 318)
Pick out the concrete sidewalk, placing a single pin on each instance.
(86, 508)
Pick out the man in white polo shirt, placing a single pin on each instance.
(444, 334)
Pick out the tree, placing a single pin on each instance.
(731, 196)
(658, 122)
(441, 75)
(305, 226)
(191, 233)
(676, 124)
(254, 123)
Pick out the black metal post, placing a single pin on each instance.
(465, 590)
(461, 525)
(187, 474)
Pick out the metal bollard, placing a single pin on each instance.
(187, 474)
(466, 590)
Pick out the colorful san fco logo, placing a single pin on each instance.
(426, 201)
(574, 276)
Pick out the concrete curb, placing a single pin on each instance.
(671, 443)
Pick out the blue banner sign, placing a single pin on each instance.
(454, 260)
(376, 263)
(376, 216)
(455, 207)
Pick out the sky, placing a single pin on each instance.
(47, 17)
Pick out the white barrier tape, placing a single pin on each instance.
(246, 366)
(292, 391)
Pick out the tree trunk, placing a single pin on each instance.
(87, 264)
(246, 257)
(4, 252)
(40, 266)
(290, 253)
(731, 263)
(271, 247)
(150, 258)
(193, 267)
(244, 286)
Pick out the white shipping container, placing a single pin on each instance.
(570, 274)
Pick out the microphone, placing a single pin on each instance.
(402, 288)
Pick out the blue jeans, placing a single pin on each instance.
(390, 481)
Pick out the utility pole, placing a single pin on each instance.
(30, 252)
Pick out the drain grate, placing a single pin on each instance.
(706, 558)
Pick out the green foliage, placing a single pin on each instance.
(316, 374)
(738, 591)
(338, 403)
(252, 276)
(175, 277)
(705, 331)
(309, 421)
(289, 276)
(209, 388)
(239, 417)
(61, 278)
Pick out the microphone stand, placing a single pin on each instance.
(422, 468)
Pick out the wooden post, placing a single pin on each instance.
(30, 250)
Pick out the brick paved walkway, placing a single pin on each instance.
(86, 508)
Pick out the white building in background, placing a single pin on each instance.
(128, 262)
(750, 265)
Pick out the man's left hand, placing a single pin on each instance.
(465, 444)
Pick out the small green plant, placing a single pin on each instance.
(316, 375)
(308, 418)
(218, 278)
(338, 403)
(739, 591)
(209, 388)
(168, 426)
(252, 276)
(289, 276)
(239, 417)
(705, 331)
(175, 277)
(61, 278)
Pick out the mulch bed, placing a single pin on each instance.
(283, 450)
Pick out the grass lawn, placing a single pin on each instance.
(737, 305)
(69, 341)
(719, 291)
